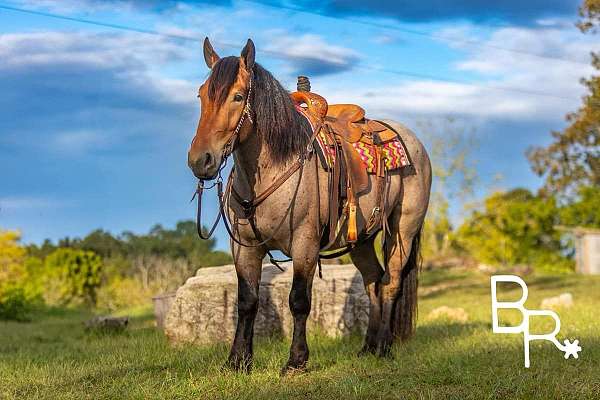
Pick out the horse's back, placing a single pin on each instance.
(415, 148)
(416, 180)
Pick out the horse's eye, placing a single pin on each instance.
(238, 97)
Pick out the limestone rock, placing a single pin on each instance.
(204, 308)
(565, 300)
(453, 314)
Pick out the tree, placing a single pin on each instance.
(102, 243)
(12, 256)
(590, 14)
(513, 228)
(41, 251)
(573, 158)
(18, 292)
(181, 242)
(585, 211)
(454, 176)
(74, 275)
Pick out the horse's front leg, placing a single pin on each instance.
(304, 257)
(248, 266)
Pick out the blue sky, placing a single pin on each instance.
(95, 121)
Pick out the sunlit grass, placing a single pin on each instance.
(54, 358)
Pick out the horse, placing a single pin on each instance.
(246, 113)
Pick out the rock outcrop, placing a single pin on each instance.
(457, 314)
(204, 308)
(564, 300)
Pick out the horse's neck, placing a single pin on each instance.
(254, 168)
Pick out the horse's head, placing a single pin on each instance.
(224, 101)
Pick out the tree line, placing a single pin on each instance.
(100, 270)
(180, 242)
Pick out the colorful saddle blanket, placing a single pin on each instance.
(394, 152)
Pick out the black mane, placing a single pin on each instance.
(284, 131)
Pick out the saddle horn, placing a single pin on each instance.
(316, 104)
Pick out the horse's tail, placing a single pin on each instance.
(405, 307)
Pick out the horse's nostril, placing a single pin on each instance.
(207, 160)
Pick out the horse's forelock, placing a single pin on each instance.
(222, 76)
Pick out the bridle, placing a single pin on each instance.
(246, 113)
(248, 206)
(227, 150)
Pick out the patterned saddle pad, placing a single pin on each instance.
(394, 152)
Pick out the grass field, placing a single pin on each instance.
(53, 358)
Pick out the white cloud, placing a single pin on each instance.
(108, 50)
(89, 6)
(386, 38)
(17, 203)
(506, 79)
(309, 45)
(439, 98)
(79, 142)
(90, 90)
(310, 54)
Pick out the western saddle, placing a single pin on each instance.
(339, 127)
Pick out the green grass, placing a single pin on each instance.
(54, 358)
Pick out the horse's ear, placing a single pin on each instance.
(210, 55)
(247, 57)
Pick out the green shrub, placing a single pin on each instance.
(516, 227)
(72, 277)
(14, 305)
(18, 291)
(123, 292)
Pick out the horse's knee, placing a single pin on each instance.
(248, 306)
(247, 300)
(299, 300)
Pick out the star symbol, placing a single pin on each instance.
(572, 348)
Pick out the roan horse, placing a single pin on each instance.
(247, 113)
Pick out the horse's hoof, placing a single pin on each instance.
(236, 364)
(384, 351)
(293, 369)
(366, 350)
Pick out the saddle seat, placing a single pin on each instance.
(347, 121)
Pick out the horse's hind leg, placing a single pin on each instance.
(365, 259)
(248, 266)
(398, 294)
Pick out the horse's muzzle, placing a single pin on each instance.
(206, 166)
